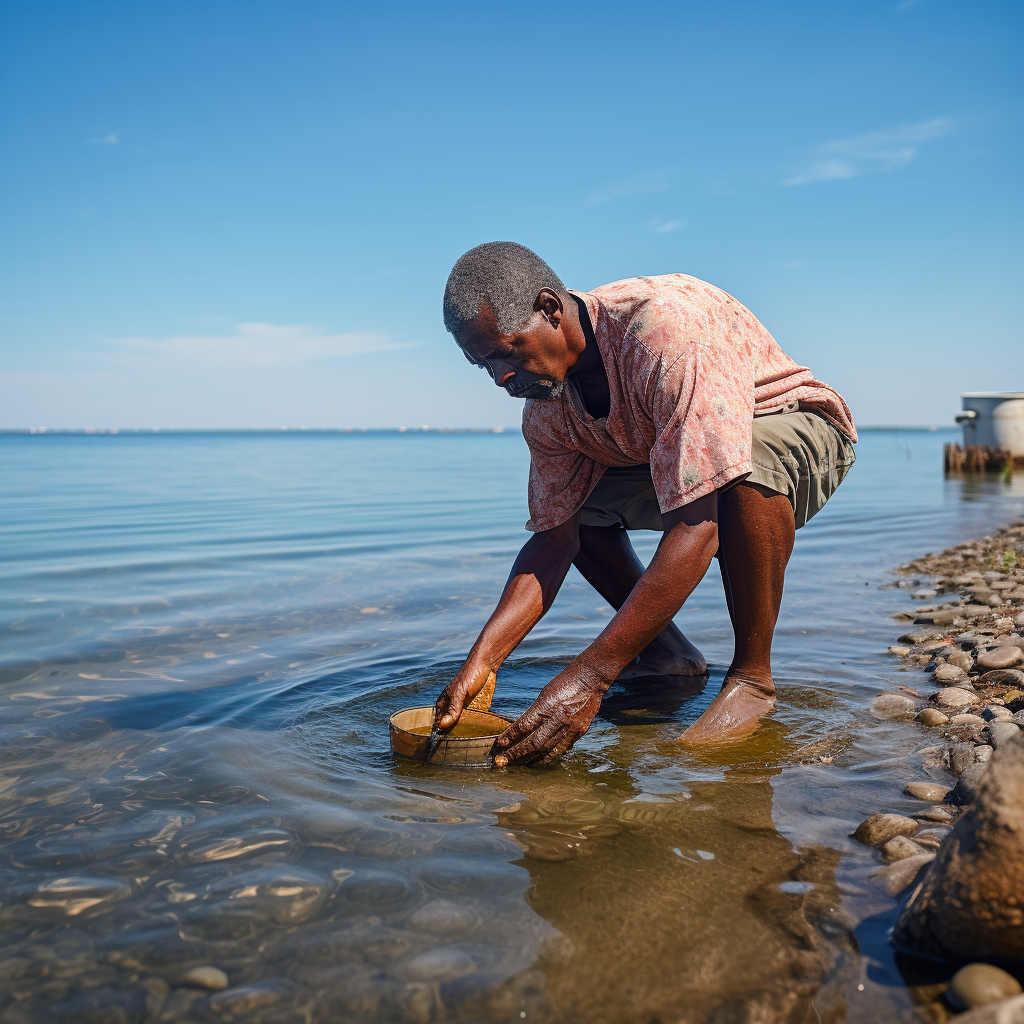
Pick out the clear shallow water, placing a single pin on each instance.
(202, 638)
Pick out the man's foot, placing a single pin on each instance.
(734, 714)
(668, 654)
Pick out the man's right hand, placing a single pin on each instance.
(471, 679)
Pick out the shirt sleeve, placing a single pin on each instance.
(702, 405)
(561, 476)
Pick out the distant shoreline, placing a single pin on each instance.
(88, 431)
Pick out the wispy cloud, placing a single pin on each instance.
(110, 139)
(905, 5)
(251, 345)
(664, 227)
(872, 153)
(643, 183)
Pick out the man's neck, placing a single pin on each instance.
(588, 371)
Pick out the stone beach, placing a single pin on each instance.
(960, 859)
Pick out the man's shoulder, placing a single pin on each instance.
(663, 314)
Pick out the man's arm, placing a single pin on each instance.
(567, 705)
(534, 581)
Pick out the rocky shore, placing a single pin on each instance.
(959, 861)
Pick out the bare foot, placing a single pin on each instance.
(668, 654)
(735, 713)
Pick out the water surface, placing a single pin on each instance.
(202, 638)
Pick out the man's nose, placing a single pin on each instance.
(501, 372)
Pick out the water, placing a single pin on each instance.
(202, 639)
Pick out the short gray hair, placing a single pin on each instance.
(504, 276)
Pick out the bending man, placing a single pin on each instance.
(656, 403)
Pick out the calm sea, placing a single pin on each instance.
(202, 639)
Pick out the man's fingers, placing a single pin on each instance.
(522, 726)
(535, 744)
(448, 709)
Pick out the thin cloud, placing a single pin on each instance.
(251, 345)
(905, 5)
(667, 226)
(110, 139)
(872, 153)
(639, 184)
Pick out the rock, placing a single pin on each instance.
(920, 635)
(996, 711)
(969, 903)
(1000, 657)
(899, 848)
(966, 788)
(931, 791)
(1002, 732)
(205, 977)
(962, 660)
(895, 877)
(440, 964)
(982, 752)
(935, 814)
(899, 649)
(981, 985)
(931, 838)
(1019, 620)
(892, 705)
(974, 721)
(961, 757)
(1010, 1011)
(1008, 677)
(947, 673)
(954, 697)
(931, 716)
(242, 1001)
(880, 828)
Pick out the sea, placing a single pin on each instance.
(203, 637)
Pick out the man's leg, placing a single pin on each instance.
(609, 564)
(756, 529)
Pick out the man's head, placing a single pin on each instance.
(511, 314)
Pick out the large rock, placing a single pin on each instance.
(969, 904)
(893, 705)
(955, 697)
(1010, 1011)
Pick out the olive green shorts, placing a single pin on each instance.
(798, 454)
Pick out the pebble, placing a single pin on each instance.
(982, 752)
(931, 791)
(1002, 677)
(1002, 732)
(892, 705)
(880, 828)
(935, 814)
(947, 673)
(968, 719)
(931, 716)
(243, 1000)
(899, 848)
(205, 977)
(900, 649)
(931, 838)
(996, 711)
(1000, 657)
(440, 964)
(897, 876)
(962, 660)
(981, 985)
(966, 788)
(954, 697)
(961, 757)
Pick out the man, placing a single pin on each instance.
(652, 403)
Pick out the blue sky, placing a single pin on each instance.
(242, 214)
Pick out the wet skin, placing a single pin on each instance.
(754, 528)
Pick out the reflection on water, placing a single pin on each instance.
(202, 641)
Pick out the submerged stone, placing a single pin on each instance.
(981, 985)
(880, 828)
(205, 977)
(931, 791)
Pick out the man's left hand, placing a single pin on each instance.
(559, 716)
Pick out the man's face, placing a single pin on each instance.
(529, 363)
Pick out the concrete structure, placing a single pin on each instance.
(994, 419)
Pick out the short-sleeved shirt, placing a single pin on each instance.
(688, 369)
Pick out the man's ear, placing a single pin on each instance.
(548, 303)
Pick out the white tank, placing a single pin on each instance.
(994, 419)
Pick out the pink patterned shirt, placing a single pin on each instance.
(688, 369)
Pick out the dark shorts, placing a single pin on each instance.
(797, 454)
